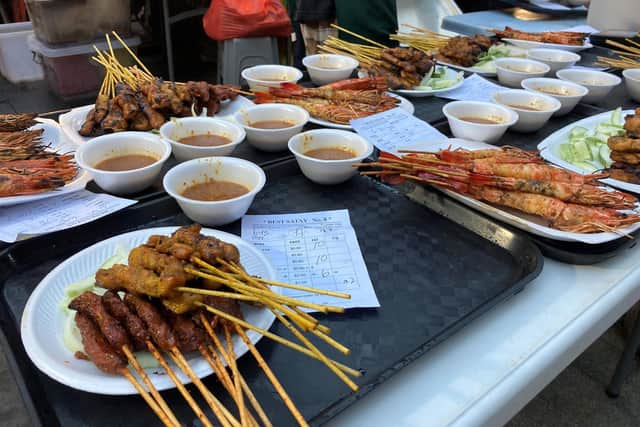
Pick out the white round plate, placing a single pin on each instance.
(42, 319)
(72, 121)
(419, 93)
(527, 44)
(55, 138)
(405, 104)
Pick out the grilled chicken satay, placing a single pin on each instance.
(136, 280)
(114, 121)
(101, 107)
(632, 124)
(189, 335)
(132, 323)
(164, 265)
(199, 90)
(97, 348)
(90, 305)
(126, 99)
(156, 119)
(89, 123)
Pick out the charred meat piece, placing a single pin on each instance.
(101, 107)
(168, 245)
(126, 99)
(136, 280)
(139, 121)
(405, 65)
(114, 121)
(199, 90)
(182, 92)
(90, 305)
(628, 158)
(223, 92)
(89, 123)
(132, 323)
(157, 326)
(155, 96)
(156, 119)
(206, 247)
(482, 41)
(175, 103)
(189, 335)
(96, 347)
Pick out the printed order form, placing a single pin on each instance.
(315, 249)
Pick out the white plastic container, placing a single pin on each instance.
(16, 60)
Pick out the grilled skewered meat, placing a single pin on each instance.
(157, 326)
(89, 123)
(132, 323)
(558, 37)
(632, 124)
(90, 305)
(189, 336)
(137, 280)
(97, 348)
(464, 51)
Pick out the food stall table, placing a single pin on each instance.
(486, 373)
(478, 22)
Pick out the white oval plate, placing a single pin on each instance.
(405, 104)
(527, 44)
(42, 319)
(550, 148)
(529, 223)
(55, 138)
(419, 93)
(72, 121)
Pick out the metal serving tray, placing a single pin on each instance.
(432, 276)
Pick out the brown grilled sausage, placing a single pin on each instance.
(132, 323)
(90, 305)
(97, 348)
(157, 326)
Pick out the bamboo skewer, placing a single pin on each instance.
(223, 354)
(152, 389)
(181, 388)
(304, 288)
(269, 373)
(223, 415)
(273, 337)
(147, 398)
(344, 30)
(236, 377)
(324, 359)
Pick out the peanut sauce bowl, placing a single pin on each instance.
(632, 81)
(207, 169)
(262, 77)
(271, 139)
(175, 130)
(534, 109)
(123, 182)
(598, 83)
(329, 172)
(478, 120)
(327, 68)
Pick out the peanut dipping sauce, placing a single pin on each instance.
(271, 124)
(332, 153)
(125, 163)
(205, 140)
(210, 191)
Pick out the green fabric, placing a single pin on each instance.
(374, 19)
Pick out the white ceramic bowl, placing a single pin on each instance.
(511, 71)
(478, 131)
(529, 120)
(556, 59)
(121, 144)
(598, 83)
(326, 68)
(573, 92)
(176, 129)
(271, 139)
(214, 213)
(262, 77)
(329, 171)
(632, 81)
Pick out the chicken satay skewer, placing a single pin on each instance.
(272, 378)
(225, 356)
(274, 337)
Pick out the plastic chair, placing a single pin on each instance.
(235, 55)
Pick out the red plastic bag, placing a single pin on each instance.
(230, 19)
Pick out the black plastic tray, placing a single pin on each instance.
(432, 276)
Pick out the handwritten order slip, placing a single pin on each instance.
(395, 129)
(315, 249)
(474, 88)
(56, 213)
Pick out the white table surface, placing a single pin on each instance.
(486, 373)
